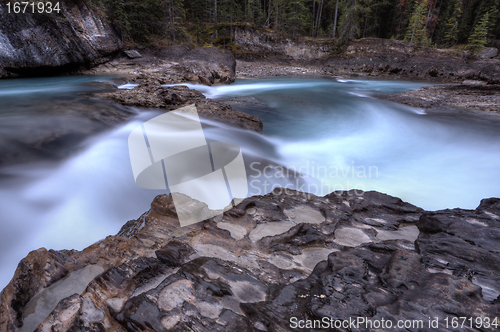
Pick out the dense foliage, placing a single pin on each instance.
(420, 22)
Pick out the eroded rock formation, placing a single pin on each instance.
(150, 93)
(364, 57)
(270, 258)
(174, 64)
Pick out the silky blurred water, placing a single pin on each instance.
(342, 137)
(335, 133)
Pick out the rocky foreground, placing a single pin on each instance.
(267, 260)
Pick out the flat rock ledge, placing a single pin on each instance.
(286, 254)
(471, 95)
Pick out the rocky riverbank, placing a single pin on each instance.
(271, 258)
(395, 59)
(263, 53)
(170, 65)
(470, 96)
(476, 78)
(173, 64)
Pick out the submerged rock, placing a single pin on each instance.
(269, 259)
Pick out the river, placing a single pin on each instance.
(334, 133)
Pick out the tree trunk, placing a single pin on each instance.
(215, 19)
(165, 13)
(276, 21)
(364, 29)
(268, 12)
(172, 20)
(335, 19)
(318, 18)
(477, 16)
(437, 16)
(314, 9)
(400, 22)
(428, 15)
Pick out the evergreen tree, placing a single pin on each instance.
(118, 15)
(479, 36)
(416, 32)
(447, 22)
(349, 23)
(297, 17)
(494, 21)
(451, 34)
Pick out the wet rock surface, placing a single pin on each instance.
(270, 258)
(151, 94)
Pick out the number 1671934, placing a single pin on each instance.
(32, 7)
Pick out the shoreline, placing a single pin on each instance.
(214, 67)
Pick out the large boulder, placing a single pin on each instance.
(488, 53)
(209, 65)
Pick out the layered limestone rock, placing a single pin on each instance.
(262, 51)
(392, 58)
(263, 44)
(270, 258)
(34, 44)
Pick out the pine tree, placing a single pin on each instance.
(349, 23)
(494, 20)
(479, 36)
(118, 14)
(451, 34)
(416, 32)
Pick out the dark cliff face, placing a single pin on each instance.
(41, 44)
